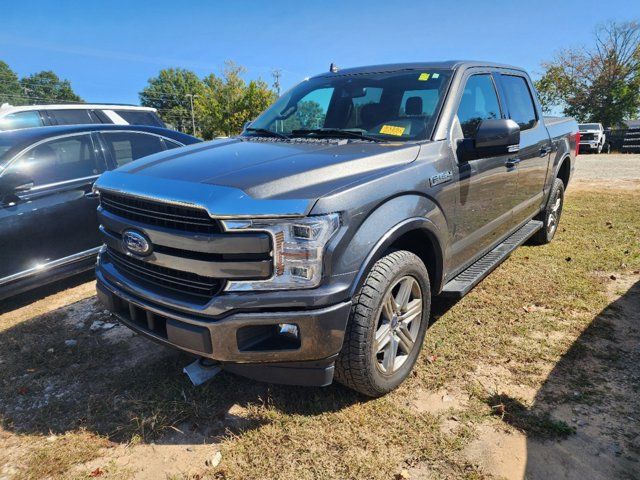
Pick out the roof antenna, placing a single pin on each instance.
(333, 68)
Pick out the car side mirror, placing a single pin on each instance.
(13, 183)
(494, 137)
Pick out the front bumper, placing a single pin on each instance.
(588, 145)
(246, 343)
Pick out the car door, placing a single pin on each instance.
(55, 220)
(486, 192)
(535, 144)
(122, 146)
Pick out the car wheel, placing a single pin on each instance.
(388, 321)
(550, 216)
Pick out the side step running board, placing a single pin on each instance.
(474, 274)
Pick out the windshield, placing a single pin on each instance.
(589, 126)
(374, 106)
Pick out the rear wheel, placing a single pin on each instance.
(386, 329)
(550, 216)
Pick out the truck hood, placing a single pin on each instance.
(258, 177)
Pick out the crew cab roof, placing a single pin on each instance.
(393, 67)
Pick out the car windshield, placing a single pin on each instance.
(589, 126)
(386, 106)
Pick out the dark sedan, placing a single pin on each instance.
(48, 223)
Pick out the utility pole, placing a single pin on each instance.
(193, 118)
(276, 80)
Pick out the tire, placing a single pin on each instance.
(376, 323)
(551, 214)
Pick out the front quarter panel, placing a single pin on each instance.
(378, 212)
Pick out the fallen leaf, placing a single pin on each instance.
(23, 391)
(215, 460)
(96, 473)
(568, 259)
(613, 277)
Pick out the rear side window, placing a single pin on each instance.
(519, 101)
(171, 144)
(58, 160)
(72, 117)
(128, 146)
(21, 120)
(479, 102)
(135, 117)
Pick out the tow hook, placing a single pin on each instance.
(202, 370)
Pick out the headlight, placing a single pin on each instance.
(298, 248)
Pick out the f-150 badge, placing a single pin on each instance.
(441, 177)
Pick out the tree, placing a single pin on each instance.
(229, 102)
(170, 92)
(47, 87)
(601, 84)
(308, 115)
(10, 89)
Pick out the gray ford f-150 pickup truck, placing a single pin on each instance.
(311, 245)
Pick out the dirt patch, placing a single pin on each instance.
(440, 401)
(593, 390)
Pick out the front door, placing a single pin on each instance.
(486, 192)
(535, 146)
(56, 218)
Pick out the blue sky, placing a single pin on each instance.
(109, 49)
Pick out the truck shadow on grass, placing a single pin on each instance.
(65, 370)
(584, 421)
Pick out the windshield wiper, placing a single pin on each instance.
(336, 132)
(267, 132)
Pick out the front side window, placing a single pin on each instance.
(18, 120)
(128, 146)
(399, 105)
(519, 101)
(479, 102)
(58, 160)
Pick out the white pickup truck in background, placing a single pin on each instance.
(592, 138)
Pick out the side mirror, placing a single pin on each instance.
(495, 136)
(13, 183)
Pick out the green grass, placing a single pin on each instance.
(300, 433)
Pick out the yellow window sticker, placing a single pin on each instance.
(423, 77)
(391, 130)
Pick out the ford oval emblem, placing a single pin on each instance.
(136, 242)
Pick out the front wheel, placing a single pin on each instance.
(387, 325)
(550, 216)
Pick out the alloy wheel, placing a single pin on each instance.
(398, 325)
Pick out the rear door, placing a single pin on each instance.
(486, 195)
(535, 144)
(57, 218)
(122, 147)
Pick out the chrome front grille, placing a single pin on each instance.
(166, 215)
(190, 256)
(180, 281)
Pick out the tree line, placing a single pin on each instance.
(597, 83)
(215, 105)
(40, 87)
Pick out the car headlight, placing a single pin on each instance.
(298, 249)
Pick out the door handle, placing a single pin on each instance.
(512, 162)
(544, 151)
